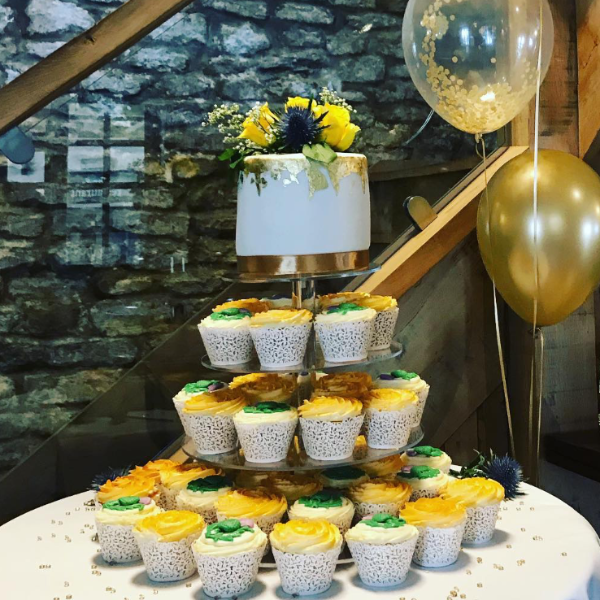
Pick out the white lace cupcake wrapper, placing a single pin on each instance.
(227, 346)
(117, 544)
(481, 524)
(432, 493)
(422, 395)
(212, 434)
(228, 576)
(388, 429)
(179, 409)
(364, 509)
(168, 561)
(306, 574)
(330, 440)
(283, 346)
(438, 546)
(208, 512)
(266, 443)
(168, 498)
(384, 328)
(382, 565)
(345, 341)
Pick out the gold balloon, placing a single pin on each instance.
(568, 234)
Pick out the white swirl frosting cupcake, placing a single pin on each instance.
(228, 555)
(201, 495)
(226, 336)
(265, 387)
(382, 546)
(379, 496)
(424, 481)
(329, 505)
(427, 456)
(406, 380)
(191, 390)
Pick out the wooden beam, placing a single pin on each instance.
(414, 259)
(73, 62)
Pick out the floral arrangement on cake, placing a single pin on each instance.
(318, 129)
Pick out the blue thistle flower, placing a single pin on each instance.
(111, 473)
(507, 472)
(299, 126)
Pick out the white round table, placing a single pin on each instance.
(542, 550)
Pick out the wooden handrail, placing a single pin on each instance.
(418, 255)
(89, 51)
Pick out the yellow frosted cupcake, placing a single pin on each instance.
(424, 481)
(328, 300)
(265, 387)
(192, 390)
(382, 546)
(226, 336)
(385, 321)
(228, 554)
(441, 524)
(293, 486)
(353, 384)
(306, 553)
(115, 522)
(280, 336)
(172, 481)
(329, 426)
(140, 484)
(165, 542)
(330, 505)
(384, 468)
(154, 468)
(389, 415)
(481, 498)
(427, 456)
(201, 495)
(406, 380)
(379, 496)
(262, 505)
(209, 418)
(252, 305)
(345, 332)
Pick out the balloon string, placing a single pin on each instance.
(483, 155)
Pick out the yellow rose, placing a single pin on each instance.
(339, 133)
(299, 102)
(257, 127)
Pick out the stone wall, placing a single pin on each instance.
(123, 224)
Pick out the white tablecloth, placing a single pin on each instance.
(542, 550)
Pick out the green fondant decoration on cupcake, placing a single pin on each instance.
(419, 472)
(267, 408)
(345, 307)
(429, 451)
(230, 314)
(123, 504)
(201, 386)
(384, 521)
(226, 531)
(342, 473)
(322, 500)
(212, 483)
(406, 375)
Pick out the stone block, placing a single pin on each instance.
(14, 253)
(89, 352)
(44, 423)
(221, 219)
(77, 218)
(243, 86)
(132, 317)
(179, 86)
(188, 166)
(243, 39)
(347, 41)
(354, 3)
(117, 82)
(121, 282)
(159, 59)
(182, 28)
(48, 317)
(304, 13)
(375, 20)
(195, 281)
(21, 222)
(304, 37)
(256, 9)
(157, 198)
(7, 387)
(40, 49)
(156, 254)
(362, 70)
(387, 42)
(211, 250)
(46, 287)
(55, 16)
(149, 223)
(13, 451)
(7, 16)
(90, 249)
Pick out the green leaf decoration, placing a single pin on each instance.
(227, 154)
(320, 152)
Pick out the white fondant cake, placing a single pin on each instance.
(289, 206)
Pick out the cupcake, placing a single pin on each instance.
(115, 522)
(209, 418)
(481, 498)
(154, 467)
(353, 384)
(404, 380)
(330, 426)
(194, 389)
(226, 336)
(265, 507)
(140, 485)
(306, 554)
(329, 505)
(427, 456)
(252, 305)
(384, 468)
(252, 479)
(266, 431)
(172, 481)
(441, 524)
(341, 478)
(328, 300)
(389, 415)
(345, 331)
(424, 481)
(165, 542)
(228, 555)
(293, 486)
(382, 546)
(385, 321)
(200, 496)
(280, 336)
(278, 302)
(265, 387)
(379, 496)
